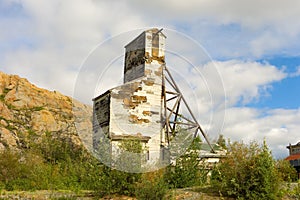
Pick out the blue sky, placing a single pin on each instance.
(285, 93)
(254, 45)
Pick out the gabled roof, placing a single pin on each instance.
(293, 157)
(295, 145)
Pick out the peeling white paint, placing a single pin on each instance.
(136, 107)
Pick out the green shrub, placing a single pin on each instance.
(9, 166)
(187, 170)
(248, 172)
(152, 186)
(119, 181)
(286, 171)
(51, 164)
(4, 92)
(39, 108)
(295, 192)
(2, 186)
(2, 97)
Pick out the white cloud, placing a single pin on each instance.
(263, 28)
(279, 127)
(244, 82)
(63, 33)
(267, 41)
(249, 13)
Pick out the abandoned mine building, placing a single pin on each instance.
(139, 108)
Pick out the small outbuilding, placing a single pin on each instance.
(294, 157)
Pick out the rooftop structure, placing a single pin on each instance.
(294, 156)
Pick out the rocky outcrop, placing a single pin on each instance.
(27, 109)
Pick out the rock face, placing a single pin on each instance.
(26, 109)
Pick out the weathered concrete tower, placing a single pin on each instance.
(135, 109)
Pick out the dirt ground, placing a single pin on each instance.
(178, 194)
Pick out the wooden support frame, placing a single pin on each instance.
(171, 113)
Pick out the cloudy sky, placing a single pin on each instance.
(240, 59)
